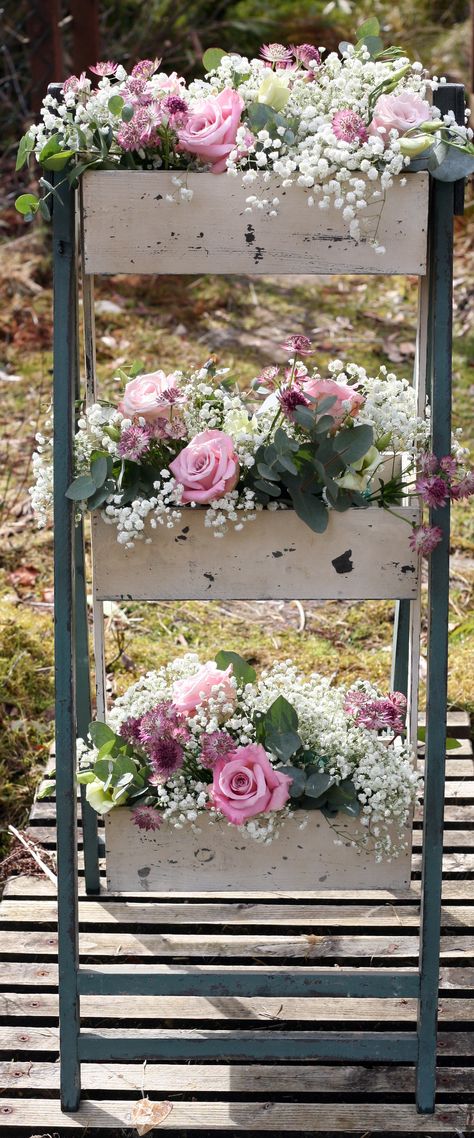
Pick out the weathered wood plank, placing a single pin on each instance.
(307, 946)
(105, 1114)
(142, 232)
(31, 1006)
(202, 1079)
(96, 913)
(364, 554)
(453, 890)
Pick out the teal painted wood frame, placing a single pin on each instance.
(72, 712)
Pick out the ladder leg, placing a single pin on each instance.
(83, 695)
(400, 642)
(65, 379)
(432, 860)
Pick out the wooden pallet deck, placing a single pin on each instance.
(242, 931)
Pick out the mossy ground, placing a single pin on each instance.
(171, 322)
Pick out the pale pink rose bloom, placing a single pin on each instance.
(211, 128)
(207, 468)
(398, 112)
(323, 388)
(246, 784)
(191, 693)
(151, 396)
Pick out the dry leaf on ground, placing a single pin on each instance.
(145, 1114)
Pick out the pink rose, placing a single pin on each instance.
(207, 468)
(151, 396)
(246, 784)
(323, 388)
(398, 112)
(206, 684)
(211, 128)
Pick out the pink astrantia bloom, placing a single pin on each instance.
(423, 539)
(428, 463)
(299, 344)
(464, 488)
(267, 377)
(349, 126)
(145, 68)
(76, 83)
(247, 784)
(161, 733)
(306, 54)
(130, 730)
(276, 53)
(104, 68)
(134, 442)
(385, 713)
(432, 489)
(146, 818)
(448, 465)
(176, 110)
(216, 745)
(289, 399)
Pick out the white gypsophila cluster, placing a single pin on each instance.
(381, 768)
(390, 406)
(41, 492)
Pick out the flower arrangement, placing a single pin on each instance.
(213, 738)
(293, 439)
(339, 125)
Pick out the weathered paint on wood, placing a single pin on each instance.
(219, 857)
(130, 227)
(363, 554)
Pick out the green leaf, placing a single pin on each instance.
(58, 161)
(83, 777)
(107, 748)
(281, 715)
(212, 58)
(370, 27)
(298, 778)
(287, 464)
(127, 112)
(103, 769)
(52, 146)
(312, 510)
(353, 442)
(270, 488)
(267, 472)
(100, 733)
(342, 794)
(373, 44)
(45, 790)
(450, 744)
(25, 148)
(81, 489)
(99, 470)
(115, 104)
(350, 808)
(318, 783)
(44, 210)
(243, 671)
(27, 204)
(281, 723)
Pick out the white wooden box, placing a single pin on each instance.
(130, 227)
(219, 858)
(362, 554)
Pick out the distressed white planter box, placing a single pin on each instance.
(130, 227)
(364, 554)
(219, 858)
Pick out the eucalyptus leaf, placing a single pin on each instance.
(267, 487)
(127, 112)
(81, 489)
(310, 509)
(298, 780)
(99, 470)
(27, 204)
(25, 148)
(58, 161)
(83, 777)
(456, 165)
(52, 146)
(212, 58)
(242, 670)
(318, 783)
(370, 27)
(100, 733)
(283, 744)
(115, 104)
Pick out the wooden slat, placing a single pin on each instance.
(39, 887)
(131, 227)
(260, 1079)
(106, 1114)
(306, 947)
(321, 1009)
(96, 913)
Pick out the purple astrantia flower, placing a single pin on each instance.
(386, 713)
(130, 730)
(423, 539)
(166, 756)
(267, 377)
(464, 488)
(306, 54)
(104, 68)
(290, 398)
(433, 490)
(428, 463)
(349, 126)
(134, 442)
(216, 746)
(176, 109)
(276, 53)
(146, 818)
(448, 464)
(164, 719)
(145, 68)
(299, 344)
